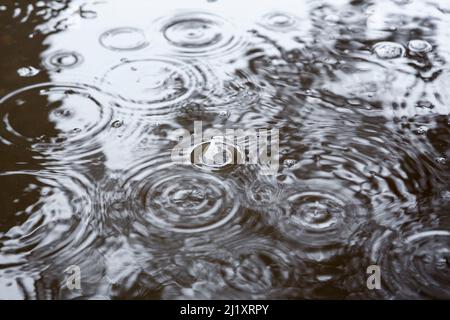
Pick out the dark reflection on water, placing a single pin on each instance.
(93, 103)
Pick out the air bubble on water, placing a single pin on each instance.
(62, 59)
(117, 124)
(28, 71)
(279, 21)
(216, 154)
(425, 104)
(419, 46)
(289, 162)
(388, 50)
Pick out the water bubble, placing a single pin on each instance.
(441, 160)
(419, 46)
(27, 71)
(217, 154)
(117, 124)
(201, 34)
(124, 38)
(289, 162)
(62, 59)
(280, 21)
(388, 50)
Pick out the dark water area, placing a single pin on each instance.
(94, 96)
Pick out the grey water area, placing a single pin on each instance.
(95, 95)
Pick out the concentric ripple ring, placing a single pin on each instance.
(50, 115)
(156, 82)
(175, 198)
(200, 34)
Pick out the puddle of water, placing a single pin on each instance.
(327, 150)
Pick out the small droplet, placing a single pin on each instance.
(441, 160)
(27, 71)
(388, 50)
(117, 124)
(419, 46)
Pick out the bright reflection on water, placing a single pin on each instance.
(94, 96)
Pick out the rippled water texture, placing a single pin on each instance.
(97, 97)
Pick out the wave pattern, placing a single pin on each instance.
(101, 166)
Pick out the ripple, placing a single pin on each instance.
(62, 60)
(44, 216)
(279, 21)
(419, 46)
(67, 116)
(257, 267)
(124, 38)
(155, 83)
(248, 268)
(200, 34)
(174, 199)
(318, 214)
(262, 194)
(416, 265)
(388, 50)
(236, 89)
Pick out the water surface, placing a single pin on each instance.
(95, 94)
